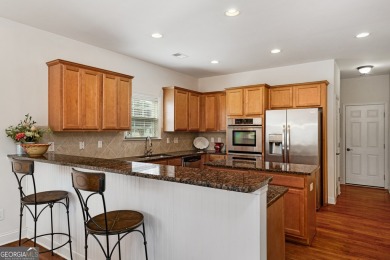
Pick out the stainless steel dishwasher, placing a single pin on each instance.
(192, 161)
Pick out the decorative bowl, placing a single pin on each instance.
(35, 150)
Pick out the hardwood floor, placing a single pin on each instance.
(358, 227)
(45, 256)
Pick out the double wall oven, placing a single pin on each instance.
(244, 136)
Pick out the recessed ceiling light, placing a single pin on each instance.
(214, 61)
(365, 69)
(362, 35)
(232, 12)
(157, 35)
(274, 51)
(180, 55)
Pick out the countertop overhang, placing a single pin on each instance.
(240, 182)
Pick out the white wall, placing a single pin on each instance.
(363, 90)
(24, 52)
(313, 71)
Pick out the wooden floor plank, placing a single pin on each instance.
(357, 227)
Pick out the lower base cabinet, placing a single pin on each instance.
(275, 230)
(299, 206)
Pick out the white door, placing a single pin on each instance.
(365, 145)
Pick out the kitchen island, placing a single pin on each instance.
(189, 213)
(300, 199)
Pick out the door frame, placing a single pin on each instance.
(343, 155)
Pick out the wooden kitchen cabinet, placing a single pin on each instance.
(307, 95)
(299, 205)
(253, 101)
(193, 111)
(175, 161)
(116, 108)
(311, 94)
(275, 230)
(248, 101)
(80, 98)
(234, 102)
(215, 157)
(221, 98)
(281, 97)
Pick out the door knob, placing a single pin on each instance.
(348, 149)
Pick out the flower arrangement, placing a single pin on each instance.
(25, 131)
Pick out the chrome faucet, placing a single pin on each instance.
(148, 146)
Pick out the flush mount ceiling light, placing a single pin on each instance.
(274, 51)
(362, 35)
(232, 12)
(157, 35)
(364, 69)
(180, 55)
(214, 61)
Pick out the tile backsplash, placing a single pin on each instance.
(114, 145)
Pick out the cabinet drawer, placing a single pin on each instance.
(287, 181)
(175, 161)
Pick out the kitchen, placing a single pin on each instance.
(32, 48)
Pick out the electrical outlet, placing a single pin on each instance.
(176, 140)
(81, 145)
(219, 139)
(1, 214)
(100, 144)
(212, 139)
(51, 147)
(168, 141)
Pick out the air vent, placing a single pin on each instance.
(180, 55)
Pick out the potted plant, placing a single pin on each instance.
(25, 132)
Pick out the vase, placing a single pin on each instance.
(19, 149)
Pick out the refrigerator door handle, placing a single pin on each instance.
(288, 144)
(283, 142)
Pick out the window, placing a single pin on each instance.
(144, 117)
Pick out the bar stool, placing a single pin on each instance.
(118, 222)
(21, 169)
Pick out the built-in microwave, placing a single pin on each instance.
(244, 136)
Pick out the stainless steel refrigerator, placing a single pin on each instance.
(294, 136)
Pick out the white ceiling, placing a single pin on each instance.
(305, 30)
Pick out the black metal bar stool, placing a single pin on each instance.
(118, 222)
(21, 169)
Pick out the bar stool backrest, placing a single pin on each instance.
(26, 168)
(94, 182)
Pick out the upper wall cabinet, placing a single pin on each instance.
(181, 109)
(213, 111)
(87, 98)
(300, 95)
(247, 101)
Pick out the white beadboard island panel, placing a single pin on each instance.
(182, 221)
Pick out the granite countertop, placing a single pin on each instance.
(239, 182)
(274, 193)
(260, 165)
(169, 155)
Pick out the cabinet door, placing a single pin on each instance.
(91, 88)
(181, 110)
(211, 112)
(234, 102)
(216, 157)
(175, 161)
(281, 97)
(307, 96)
(253, 101)
(110, 100)
(124, 104)
(221, 112)
(294, 210)
(193, 112)
(71, 98)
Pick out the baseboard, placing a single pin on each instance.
(11, 236)
(331, 200)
